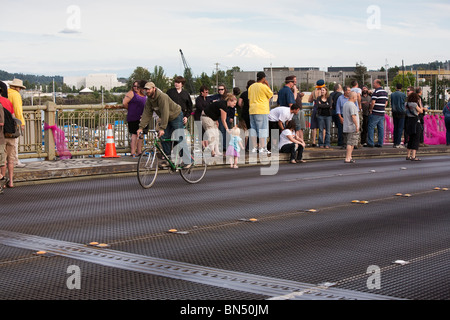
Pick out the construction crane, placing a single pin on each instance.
(186, 67)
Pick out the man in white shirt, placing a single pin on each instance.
(278, 117)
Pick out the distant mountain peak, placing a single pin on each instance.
(248, 50)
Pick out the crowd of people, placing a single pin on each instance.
(356, 113)
(408, 112)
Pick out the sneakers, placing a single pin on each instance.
(20, 165)
(163, 164)
(254, 150)
(186, 166)
(264, 150)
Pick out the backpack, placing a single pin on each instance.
(13, 126)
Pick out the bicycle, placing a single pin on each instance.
(147, 167)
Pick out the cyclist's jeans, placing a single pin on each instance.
(175, 130)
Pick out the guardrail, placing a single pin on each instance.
(84, 126)
(85, 129)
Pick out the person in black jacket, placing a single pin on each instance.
(181, 97)
(337, 122)
(201, 103)
(324, 115)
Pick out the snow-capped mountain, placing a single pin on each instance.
(248, 50)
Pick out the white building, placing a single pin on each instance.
(76, 82)
(94, 81)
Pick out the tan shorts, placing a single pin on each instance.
(211, 131)
(2, 155)
(351, 138)
(11, 155)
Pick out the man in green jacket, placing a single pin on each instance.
(170, 124)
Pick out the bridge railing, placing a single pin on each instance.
(85, 129)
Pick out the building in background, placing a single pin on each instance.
(96, 81)
(429, 75)
(306, 76)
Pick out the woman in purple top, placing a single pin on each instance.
(135, 101)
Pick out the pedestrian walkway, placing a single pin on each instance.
(45, 171)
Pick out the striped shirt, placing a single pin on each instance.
(380, 96)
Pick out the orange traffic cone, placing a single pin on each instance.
(110, 151)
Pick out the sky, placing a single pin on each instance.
(77, 38)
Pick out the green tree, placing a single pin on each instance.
(437, 94)
(361, 74)
(140, 73)
(224, 77)
(159, 78)
(203, 80)
(189, 85)
(407, 81)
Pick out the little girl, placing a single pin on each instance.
(234, 147)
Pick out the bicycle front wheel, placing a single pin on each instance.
(147, 168)
(196, 172)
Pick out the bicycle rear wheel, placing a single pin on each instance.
(147, 168)
(196, 172)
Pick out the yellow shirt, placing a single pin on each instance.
(259, 95)
(16, 100)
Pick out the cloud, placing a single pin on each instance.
(69, 31)
(247, 34)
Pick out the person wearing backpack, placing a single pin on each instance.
(9, 146)
(16, 99)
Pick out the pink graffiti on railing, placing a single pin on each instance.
(388, 128)
(60, 141)
(434, 129)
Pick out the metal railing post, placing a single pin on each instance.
(50, 119)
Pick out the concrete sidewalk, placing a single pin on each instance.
(53, 171)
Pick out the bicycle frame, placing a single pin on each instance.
(148, 171)
(156, 143)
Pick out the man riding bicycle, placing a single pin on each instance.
(170, 124)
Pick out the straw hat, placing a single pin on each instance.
(17, 83)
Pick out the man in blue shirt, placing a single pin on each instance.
(285, 95)
(398, 99)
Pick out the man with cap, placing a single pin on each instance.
(14, 96)
(7, 145)
(259, 95)
(170, 120)
(285, 95)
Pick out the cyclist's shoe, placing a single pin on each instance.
(186, 166)
(163, 164)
